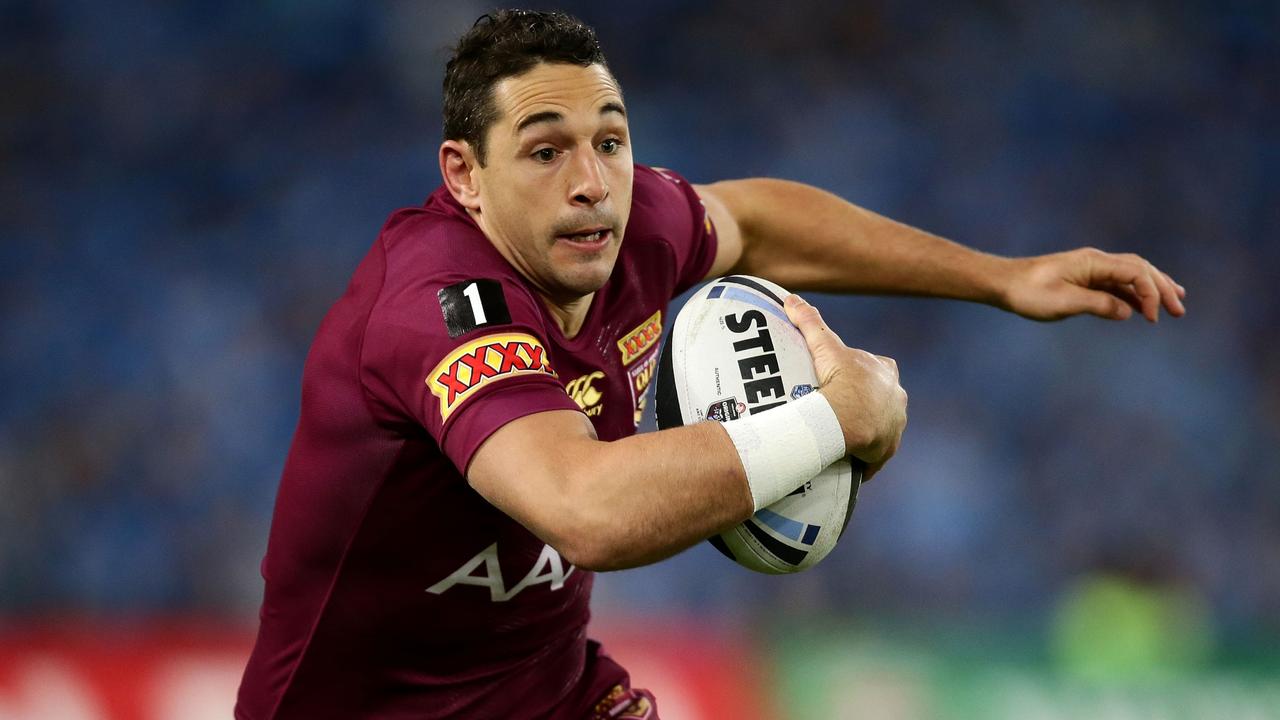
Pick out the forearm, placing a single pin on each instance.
(804, 238)
(613, 505)
(650, 496)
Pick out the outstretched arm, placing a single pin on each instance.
(804, 238)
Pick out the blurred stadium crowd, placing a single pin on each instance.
(185, 187)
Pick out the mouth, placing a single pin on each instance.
(591, 238)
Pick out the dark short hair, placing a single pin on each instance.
(499, 45)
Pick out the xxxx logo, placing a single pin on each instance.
(482, 361)
(635, 343)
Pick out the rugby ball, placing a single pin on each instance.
(733, 353)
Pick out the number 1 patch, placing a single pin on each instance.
(473, 304)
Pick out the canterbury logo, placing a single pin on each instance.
(484, 360)
(635, 343)
(584, 392)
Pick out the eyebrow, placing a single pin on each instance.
(551, 116)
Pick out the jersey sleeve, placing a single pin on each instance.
(675, 213)
(460, 357)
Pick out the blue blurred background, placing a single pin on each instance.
(186, 187)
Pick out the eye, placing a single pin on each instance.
(544, 155)
(610, 146)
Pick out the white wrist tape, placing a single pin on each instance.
(787, 446)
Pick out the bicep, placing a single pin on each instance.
(728, 232)
(523, 469)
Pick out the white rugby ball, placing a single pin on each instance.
(732, 353)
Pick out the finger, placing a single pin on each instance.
(1105, 305)
(1125, 293)
(1118, 271)
(1168, 293)
(1171, 293)
(870, 470)
(809, 322)
(874, 467)
(1148, 293)
(1165, 294)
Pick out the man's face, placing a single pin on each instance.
(555, 192)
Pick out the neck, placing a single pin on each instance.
(569, 315)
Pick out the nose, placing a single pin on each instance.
(588, 184)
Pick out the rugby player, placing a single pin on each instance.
(466, 455)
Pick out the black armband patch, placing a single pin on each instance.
(473, 304)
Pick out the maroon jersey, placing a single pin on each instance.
(392, 588)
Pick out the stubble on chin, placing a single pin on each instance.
(586, 275)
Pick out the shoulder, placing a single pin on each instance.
(663, 202)
(654, 189)
(433, 247)
(667, 212)
(438, 237)
(451, 318)
(444, 285)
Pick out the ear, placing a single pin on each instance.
(457, 166)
